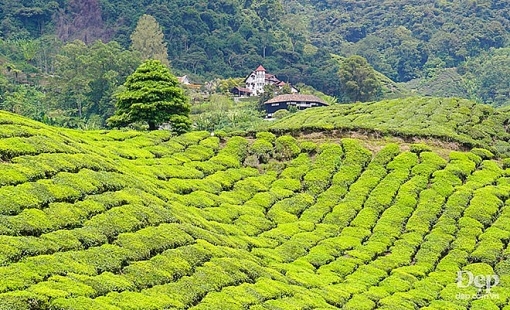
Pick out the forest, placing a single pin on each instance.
(61, 61)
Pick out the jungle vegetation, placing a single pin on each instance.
(61, 61)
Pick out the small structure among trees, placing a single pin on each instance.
(297, 101)
(152, 95)
(240, 91)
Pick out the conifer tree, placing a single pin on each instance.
(148, 40)
(152, 95)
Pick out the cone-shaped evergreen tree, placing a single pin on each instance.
(149, 41)
(152, 94)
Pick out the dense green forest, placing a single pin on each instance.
(61, 61)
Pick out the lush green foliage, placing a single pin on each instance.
(148, 40)
(450, 120)
(442, 48)
(152, 95)
(221, 112)
(144, 220)
(358, 80)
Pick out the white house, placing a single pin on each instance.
(183, 80)
(259, 78)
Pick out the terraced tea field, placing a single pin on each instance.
(447, 119)
(131, 220)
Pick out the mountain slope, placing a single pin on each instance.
(446, 119)
(131, 220)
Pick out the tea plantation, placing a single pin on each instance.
(134, 220)
(447, 119)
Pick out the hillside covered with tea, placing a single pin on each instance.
(450, 120)
(137, 220)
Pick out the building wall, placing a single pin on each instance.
(256, 82)
(273, 107)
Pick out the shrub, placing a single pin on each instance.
(286, 148)
(419, 148)
(316, 180)
(281, 113)
(267, 136)
(262, 149)
(483, 153)
(308, 147)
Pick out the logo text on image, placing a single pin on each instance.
(467, 278)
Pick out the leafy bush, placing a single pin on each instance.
(286, 148)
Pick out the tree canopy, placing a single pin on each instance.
(152, 95)
(149, 41)
(358, 79)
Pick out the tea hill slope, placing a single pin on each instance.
(132, 220)
(446, 119)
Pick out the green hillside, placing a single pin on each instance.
(133, 220)
(446, 119)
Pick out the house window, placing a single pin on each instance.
(275, 104)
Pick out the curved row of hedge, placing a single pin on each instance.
(129, 220)
(447, 119)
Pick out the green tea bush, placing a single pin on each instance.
(483, 206)
(265, 135)
(61, 287)
(15, 199)
(19, 300)
(286, 148)
(308, 147)
(386, 154)
(329, 157)
(262, 149)
(419, 148)
(317, 180)
(11, 175)
(198, 152)
(191, 138)
(132, 220)
(297, 172)
(237, 147)
(227, 161)
(200, 199)
(355, 153)
(207, 167)
(212, 143)
(483, 153)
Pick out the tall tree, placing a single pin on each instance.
(148, 40)
(358, 79)
(152, 95)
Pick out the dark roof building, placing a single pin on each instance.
(301, 102)
(241, 91)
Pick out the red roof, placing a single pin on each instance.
(260, 68)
